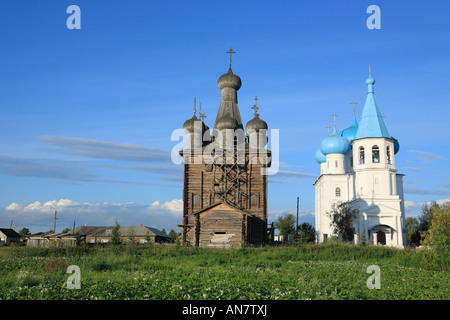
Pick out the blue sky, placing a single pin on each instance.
(86, 116)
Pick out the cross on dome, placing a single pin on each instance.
(195, 104)
(255, 106)
(200, 114)
(353, 103)
(334, 115)
(231, 52)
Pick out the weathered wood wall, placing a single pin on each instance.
(199, 193)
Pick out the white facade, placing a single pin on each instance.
(365, 177)
(370, 184)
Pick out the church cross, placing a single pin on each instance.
(328, 130)
(353, 103)
(231, 52)
(370, 71)
(334, 115)
(195, 109)
(200, 114)
(255, 106)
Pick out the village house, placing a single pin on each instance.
(51, 239)
(8, 235)
(139, 234)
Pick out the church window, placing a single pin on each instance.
(197, 200)
(388, 154)
(361, 155)
(375, 154)
(336, 163)
(338, 192)
(255, 200)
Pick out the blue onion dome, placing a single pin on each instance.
(350, 132)
(229, 80)
(320, 157)
(370, 80)
(396, 146)
(334, 144)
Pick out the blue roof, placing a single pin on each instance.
(320, 157)
(350, 132)
(372, 124)
(334, 144)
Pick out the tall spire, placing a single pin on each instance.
(372, 123)
(229, 84)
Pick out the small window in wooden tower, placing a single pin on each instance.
(255, 200)
(197, 200)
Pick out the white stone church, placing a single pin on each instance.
(357, 166)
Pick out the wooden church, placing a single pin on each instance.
(225, 175)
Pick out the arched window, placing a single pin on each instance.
(338, 192)
(388, 154)
(361, 155)
(375, 154)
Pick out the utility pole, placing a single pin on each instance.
(296, 228)
(10, 225)
(73, 230)
(54, 225)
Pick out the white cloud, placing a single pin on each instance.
(415, 208)
(426, 156)
(40, 216)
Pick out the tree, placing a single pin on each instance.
(306, 233)
(437, 237)
(285, 224)
(411, 226)
(24, 232)
(423, 223)
(173, 234)
(131, 236)
(342, 217)
(148, 238)
(115, 234)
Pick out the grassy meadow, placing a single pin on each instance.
(131, 271)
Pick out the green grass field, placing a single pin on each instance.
(327, 271)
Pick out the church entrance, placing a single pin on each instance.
(381, 238)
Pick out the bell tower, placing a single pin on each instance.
(225, 181)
